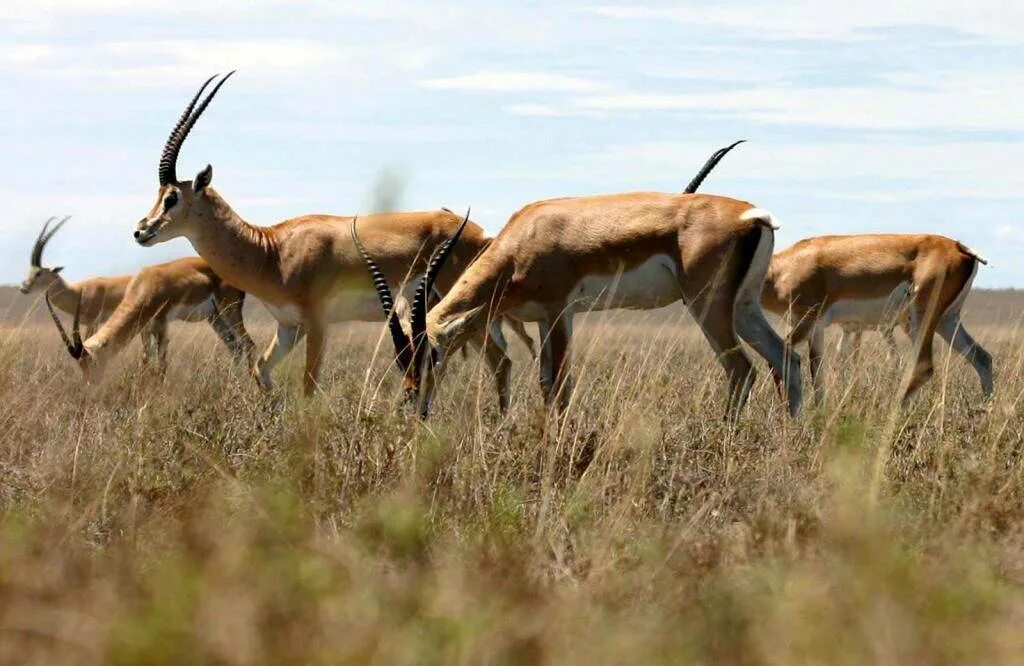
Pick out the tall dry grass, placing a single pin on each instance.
(192, 520)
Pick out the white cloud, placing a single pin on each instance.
(512, 81)
(955, 100)
(831, 19)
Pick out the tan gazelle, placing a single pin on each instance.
(637, 250)
(305, 270)
(814, 275)
(94, 299)
(181, 290)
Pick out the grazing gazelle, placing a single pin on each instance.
(306, 270)
(638, 250)
(181, 290)
(813, 275)
(94, 299)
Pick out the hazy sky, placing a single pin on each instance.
(869, 116)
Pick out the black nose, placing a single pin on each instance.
(137, 234)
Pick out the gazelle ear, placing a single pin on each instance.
(57, 269)
(202, 180)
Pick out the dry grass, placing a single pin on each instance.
(193, 520)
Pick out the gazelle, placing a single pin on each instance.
(181, 290)
(306, 270)
(637, 250)
(94, 299)
(813, 275)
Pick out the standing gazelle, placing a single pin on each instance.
(94, 299)
(638, 251)
(306, 270)
(808, 278)
(181, 290)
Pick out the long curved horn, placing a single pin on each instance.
(403, 350)
(418, 319)
(74, 344)
(37, 249)
(169, 158)
(712, 162)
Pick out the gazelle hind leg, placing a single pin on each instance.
(754, 329)
(932, 297)
(952, 330)
(816, 357)
(716, 322)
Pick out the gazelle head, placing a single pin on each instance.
(178, 201)
(419, 358)
(40, 278)
(91, 369)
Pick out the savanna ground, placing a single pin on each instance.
(194, 520)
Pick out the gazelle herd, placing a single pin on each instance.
(552, 260)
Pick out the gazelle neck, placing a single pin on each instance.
(63, 295)
(238, 252)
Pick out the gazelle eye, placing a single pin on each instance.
(170, 200)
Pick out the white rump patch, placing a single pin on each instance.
(760, 215)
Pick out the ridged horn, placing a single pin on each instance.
(418, 319)
(403, 350)
(169, 157)
(74, 344)
(712, 162)
(44, 237)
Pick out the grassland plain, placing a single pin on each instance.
(194, 520)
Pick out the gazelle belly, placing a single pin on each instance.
(197, 312)
(652, 284)
(869, 311)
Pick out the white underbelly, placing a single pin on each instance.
(868, 311)
(652, 284)
(199, 312)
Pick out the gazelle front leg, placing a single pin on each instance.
(495, 353)
(315, 336)
(282, 344)
(555, 379)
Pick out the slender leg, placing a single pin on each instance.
(547, 369)
(315, 336)
(857, 344)
(519, 328)
(229, 325)
(716, 321)
(494, 349)
(889, 335)
(953, 331)
(843, 345)
(752, 327)
(932, 297)
(148, 346)
(561, 337)
(160, 333)
(816, 354)
(282, 344)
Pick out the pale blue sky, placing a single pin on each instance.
(884, 116)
